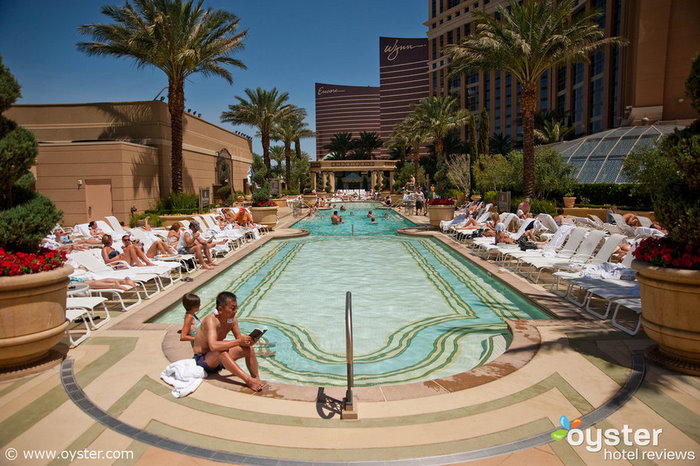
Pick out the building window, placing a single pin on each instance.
(597, 63)
(452, 3)
(435, 82)
(434, 48)
(442, 81)
(449, 37)
(487, 90)
(459, 34)
(468, 29)
(434, 9)
(441, 6)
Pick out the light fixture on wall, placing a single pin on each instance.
(681, 100)
(80, 183)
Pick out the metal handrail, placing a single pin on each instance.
(348, 348)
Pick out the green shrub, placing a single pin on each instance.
(154, 219)
(491, 197)
(178, 203)
(31, 218)
(25, 216)
(291, 192)
(669, 172)
(625, 195)
(537, 206)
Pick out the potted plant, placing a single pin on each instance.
(668, 269)
(263, 210)
(440, 209)
(569, 200)
(33, 281)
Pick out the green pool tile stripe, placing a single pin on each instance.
(13, 385)
(453, 300)
(250, 305)
(26, 417)
(498, 305)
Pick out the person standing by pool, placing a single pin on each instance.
(213, 353)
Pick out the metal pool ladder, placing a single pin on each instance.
(349, 407)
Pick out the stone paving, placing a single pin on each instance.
(573, 366)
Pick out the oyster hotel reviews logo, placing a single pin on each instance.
(624, 442)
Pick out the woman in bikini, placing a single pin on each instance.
(132, 255)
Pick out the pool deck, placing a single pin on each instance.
(502, 413)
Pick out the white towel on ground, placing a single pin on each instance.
(185, 375)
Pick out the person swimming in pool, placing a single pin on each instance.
(213, 352)
(335, 218)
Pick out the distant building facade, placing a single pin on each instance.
(98, 159)
(344, 109)
(642, 82)
(403, 80)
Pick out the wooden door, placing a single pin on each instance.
(98, 199)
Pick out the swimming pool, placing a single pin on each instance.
(420, 311)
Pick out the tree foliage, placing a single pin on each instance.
(692, 84)
(25, 216)
(670, 172)
(459, 172)
(178, 37)
(526, 39)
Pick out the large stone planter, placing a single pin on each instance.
(396, 198)
(309, 199)
(670, 314)
(569, 201)
(32, 315)
(265, 216)
(437, 213)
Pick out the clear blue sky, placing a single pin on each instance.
(291, 44)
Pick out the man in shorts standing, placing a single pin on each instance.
(213, 353)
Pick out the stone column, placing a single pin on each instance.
(313, 180)
(332, 181)
(373, 179)
(391, 179)
(324, 180)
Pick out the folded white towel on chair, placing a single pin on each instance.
(185, 375)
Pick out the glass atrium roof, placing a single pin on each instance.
(597, 158)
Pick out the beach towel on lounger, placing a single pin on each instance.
(185, 375)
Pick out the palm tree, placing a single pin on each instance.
(500, 143)
(398, 144)
(262, 109)
(528, 39)
(289, 129)
(552, 131)
(340, 143)
(277, 154)
(416, 133)
(178, 37)
(438, 116)
(367, 143)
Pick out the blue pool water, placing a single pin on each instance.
(420, 311)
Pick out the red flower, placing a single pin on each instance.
(20, 263)
(441, 201)
(664, 252)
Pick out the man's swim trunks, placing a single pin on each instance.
(199, 360)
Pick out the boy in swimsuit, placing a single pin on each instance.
(213, 353)
(190, 302)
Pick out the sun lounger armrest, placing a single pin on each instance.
(118, 265)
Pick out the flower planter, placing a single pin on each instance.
(265, 216)
(32, 315)
(395, 198)
(569, 202)
(476, 197)
(670, 304)
(309, 199)
(437, 213)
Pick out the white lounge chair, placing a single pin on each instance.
(634, 305)
(581, 256)
(84, 308)
(573, 241)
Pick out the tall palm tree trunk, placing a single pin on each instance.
(528, 104)
(266, 153)
(297, 148)
(288, 164)
(416, 163)
(176, 106)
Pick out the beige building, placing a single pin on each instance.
(109, 158)
(640, 83)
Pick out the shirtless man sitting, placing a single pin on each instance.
(213, 353)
